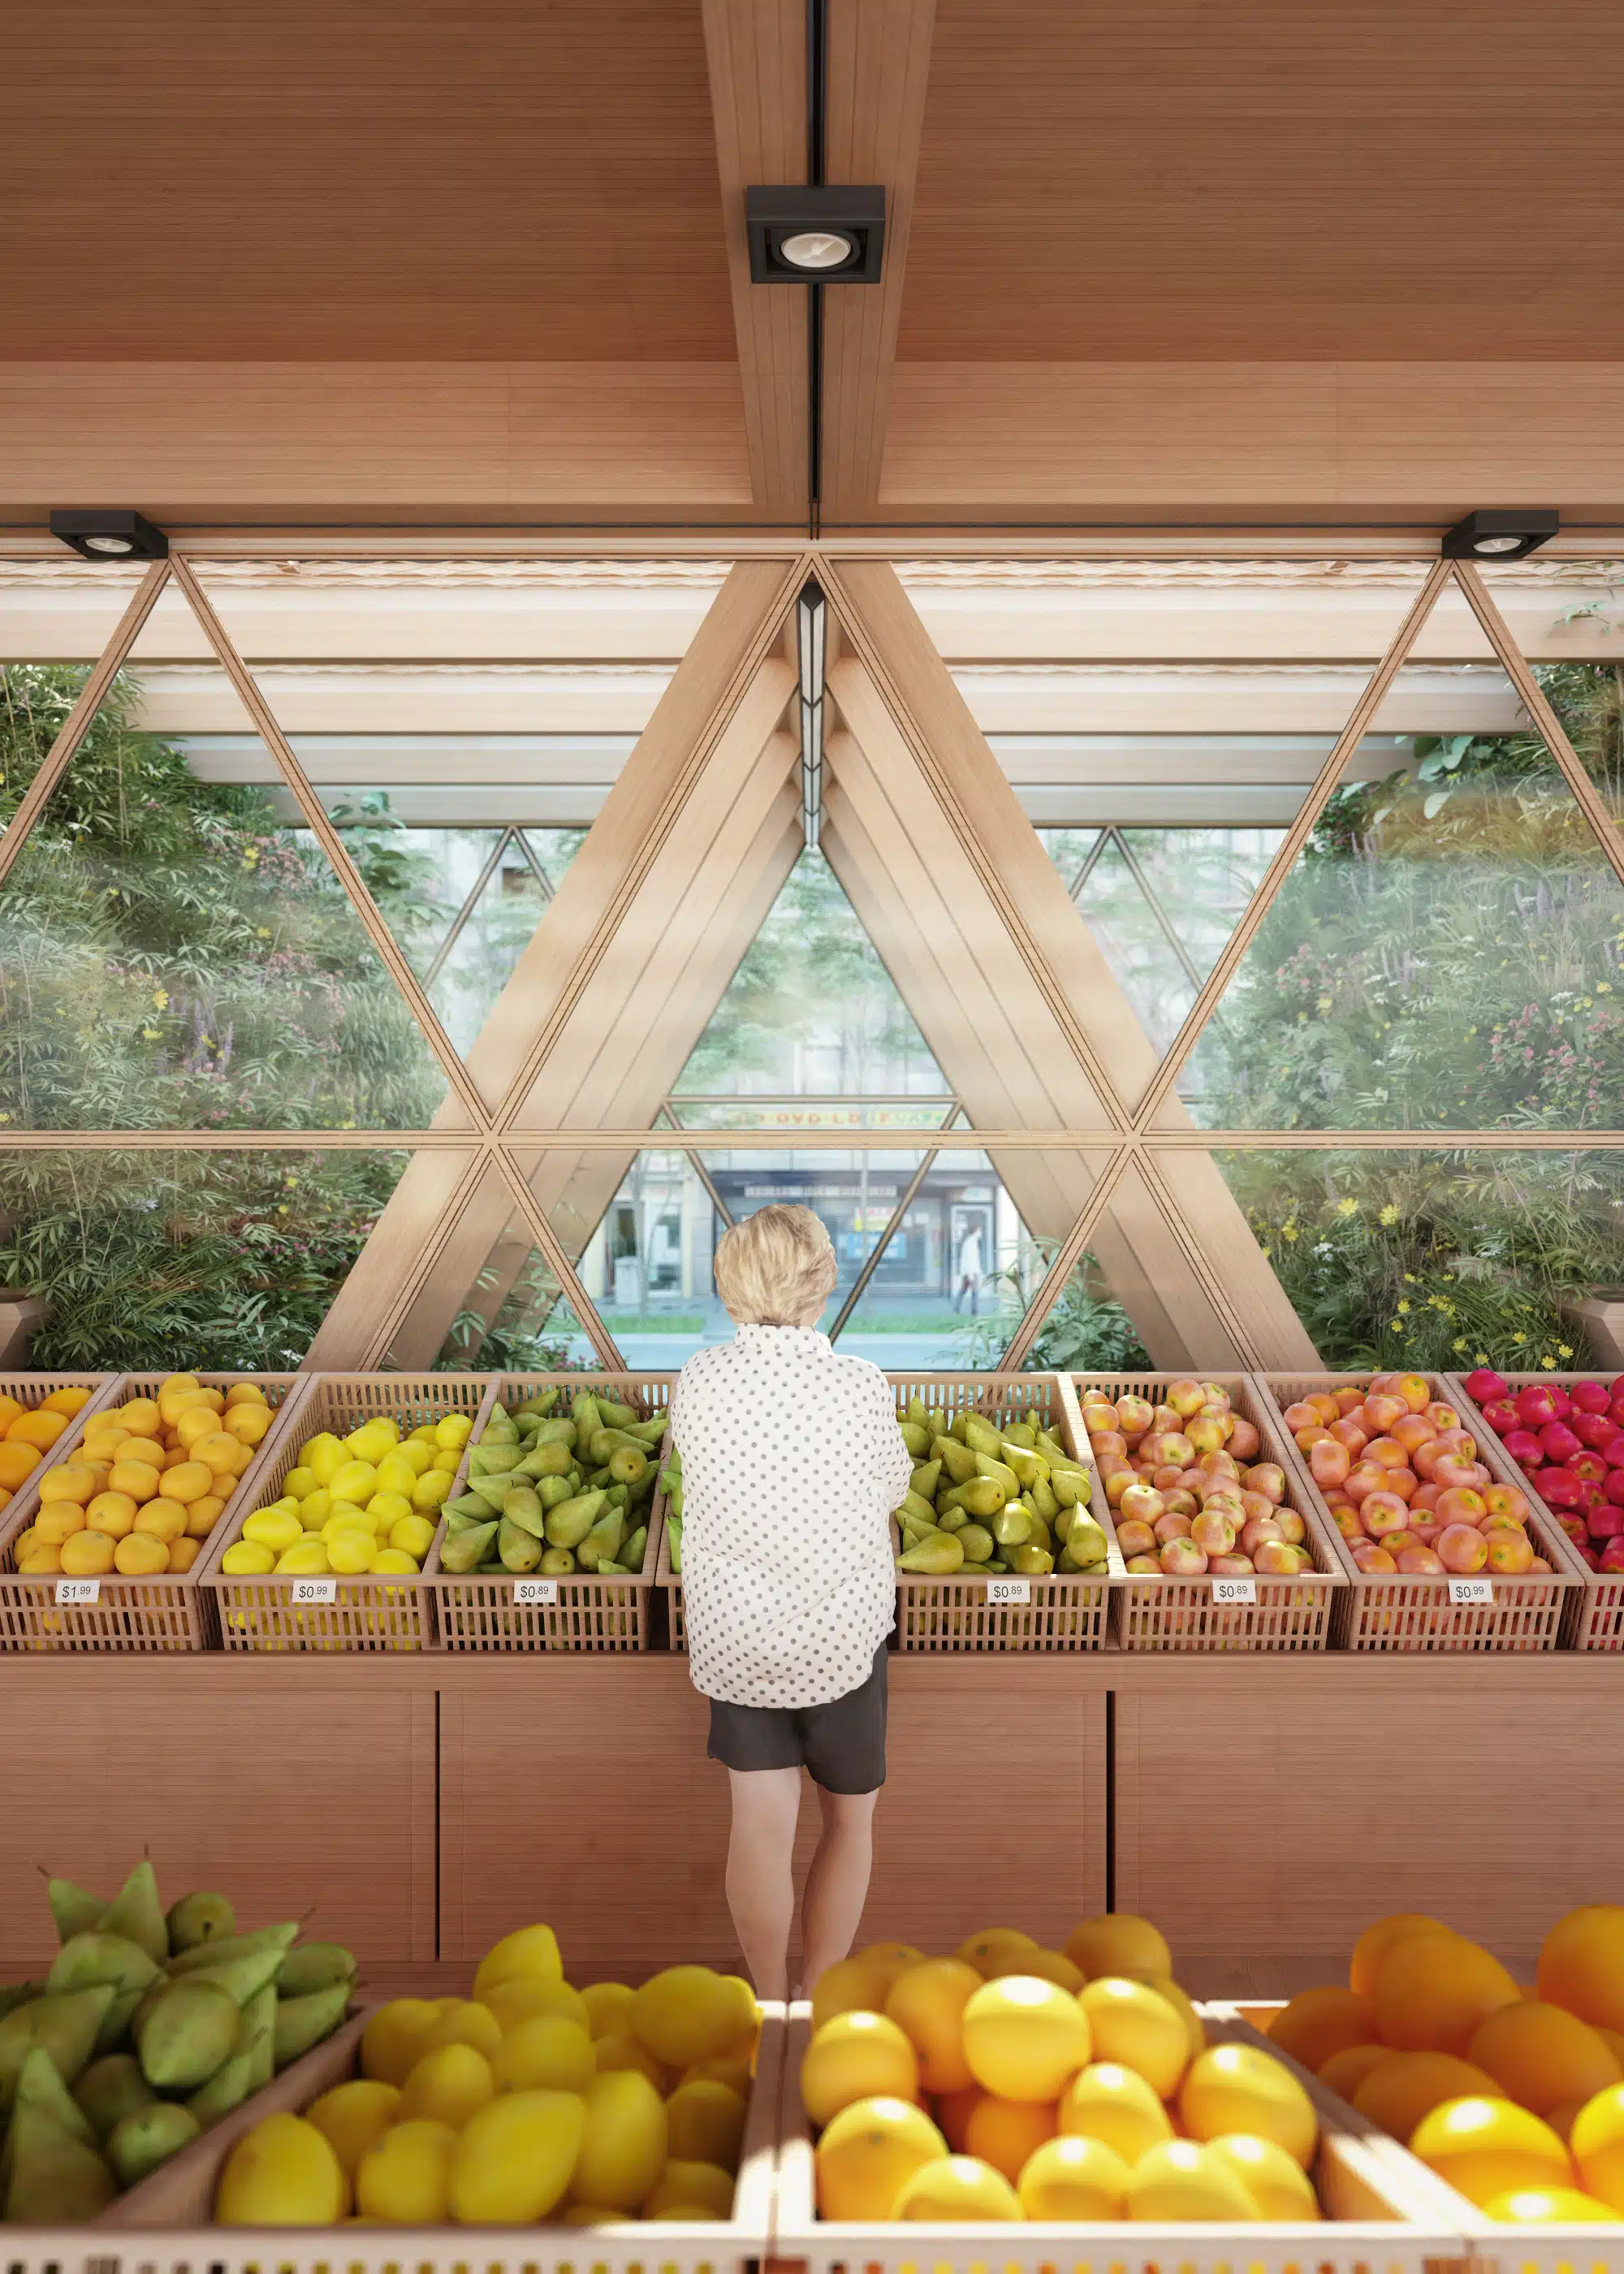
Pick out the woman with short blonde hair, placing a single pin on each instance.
(792, 1463)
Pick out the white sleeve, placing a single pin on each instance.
(896, 1462)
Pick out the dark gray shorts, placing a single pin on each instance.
(840, 1745)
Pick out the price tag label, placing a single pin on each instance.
(1471, 1590)
(315, 1591)
(1009, 1590)
(1235, 1591)
(78, 1591)
(535, 1590)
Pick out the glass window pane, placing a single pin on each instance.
(174, 955)
(1441, 1260)
(170, 1259)
(1447, 951)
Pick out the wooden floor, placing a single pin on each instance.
(1261, 1810)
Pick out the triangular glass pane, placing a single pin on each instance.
(1444, 951)
(150, 1257)
(811, 1012)
(1567, 618)
(174, 955)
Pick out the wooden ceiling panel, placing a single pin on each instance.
(372, 179)
(1373, 180)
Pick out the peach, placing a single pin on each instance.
(1347, 1522)
(1257, 1532)
(1404, 1482)
(1539, 1565)
(1135, 1537)
(1256, 1504)
(1163, 1418)
(1397, 1542)
(1231, 1566)
(1461, 1505)
(1347, 1432)
(1425, 1534)
(1510, 1553)
(1173, 1527)
(1443, 1417)
(1098, 1412)
(1244, 1441)
(1450, 1471)
(1300, 1416)
(1364, 1477)
(1371, 1559)
(1414, 1390)
(1217, 1408)
(1108, 1440)
(1412, 1429)
(1267, 1478)
(1216, 1394)
(1387, 1452)
(1425, 1459)
(1348, 1400)
(1221, 1463)
(1213, 1532)
(1168, 1479)
(1502, 1523)
(1206, 1432)
(1144, 1502)
(1328, 1463)
(1382, 1512)
(1423, 1561)
(1182, 1559)
(1462, 1547)
(1279, 1560)
(1134, 1415)
(1459, 1441)
(1117, 1482)
(1424, 1499)
(1382, 1410)
(1144, 1563)
(1293, 1531)
(1306, 1440)
(1177, 1450)
(1180, 1503)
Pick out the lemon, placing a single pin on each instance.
(347, 1552)
(315, 1508)
(1275, 2181)
(705, 2122)
(531, 1953)
(463, 2022)
(431, 1490)
(735, 2075)
(373, 1439)
(298, 1482)
(546, 2053)
(354, 1480)
(1549, 2206)
(624, 2151)
(272, 1529)
(1185, 2180)
(867, 2154)
(353, 2116)
(955, 2189)
(704, 2187)
(404, 2179)
(993, 1945)
(450, 1461)
(454, 1431)
(450, 2085)
(387, 1507)
(1074, 2178)
(591, 2215)
(247, 1559)
(1025, 2039)
(522, 1999)
(395, 1473)
(323, 1456)
(1118, 1942)
(1113, 2103)
(1132, 2024)
(617, 2051)
(851, 1985)
(412, 1535)
(687, 2013)
(308, 1560)
(856, 2056)
(417, 1456)
(396, 1560)
(282, 2173)
(608, 2006)
(514, 2161)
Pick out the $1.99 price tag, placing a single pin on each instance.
(1235, 1591)
(535, 1590)
(78, 1591)
(1470, 1590)
(315, 1591)
(1009, 1590)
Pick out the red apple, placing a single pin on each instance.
(1267, 1478)
(1577, 1529)
(1613, 1556)
(1590, 1468)
(1536, 1403)
(1604, 1523)
(1182, 1559)
(1524, 1448)
(1589, 1556)
(1501, 1414)
(1591, 1397)
(1558, 1487)
(1232, 1566)
(1613, 1487)
(1484, 1384)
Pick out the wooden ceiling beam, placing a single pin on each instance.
(756, 55)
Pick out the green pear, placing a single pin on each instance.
(136, 1913)
(463, 1554)
(13, 1994)
(66, 2026)
(200, 1918)
(56, 2179)
(976, 1543)
(100, 1956)
(635, 1550)
(40, 2085)
(956, 1458)
(935, 1558)
(1070, 1486)
(182, 2037)
(74, 1909)
(522, 1507)
(110, 2090)
(1011, 1526)
(149, 2137)
(302, 2022)
(518, 1550)
(242, 1976)
(924, 1480)
(246, 2068)
(314, 1965)
(558, 1563)
(916, 1437)
(281, 1938)
(568, 1524)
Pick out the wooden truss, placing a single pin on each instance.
(570, 1078)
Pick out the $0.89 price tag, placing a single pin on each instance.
(78, 1591)
(315, 1591)
(1470, 1590)
(535, 1590)
(1009, 1590)
(1235, 1591)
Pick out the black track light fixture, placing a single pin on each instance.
(1501, 536)
(110, 536)
(816, 233)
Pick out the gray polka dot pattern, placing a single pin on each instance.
(792, 1464)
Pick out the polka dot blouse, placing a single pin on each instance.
(792, 1464)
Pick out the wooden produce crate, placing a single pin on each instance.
(164, 2225)
(110, 1613)
(1186, 1615)
(1384, 2215)
(583, 1613)
(669, 1582)
(1405, 1612)
(336, 1614)
(1595, 1617)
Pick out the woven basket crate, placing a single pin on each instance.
(1067, 1610)
(1384, 2213)
(584, 1613)
(128, 1615)
(163, 2226)
(1411, 1613)
(392, 1613)
(1182, 1615)
(1596, 1610)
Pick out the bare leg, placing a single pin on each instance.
(838, 1883)
(761, 1892)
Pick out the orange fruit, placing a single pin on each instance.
(1118, 1942)
(951, 2192)
(140, 1556)
(197, 1421)
(1597, 2143)
(40, 1428)
(868, 2155)
(1548, 2207)
(1486, 2148)
(140, 1417)
(148, 1450)
(927, 2003)
(1374, 1944)
(1582, 1965)
(137, 1479)
(1025, 2039)
(59, 1521)
(87, 1554)
(42, 1559)
(18, 1463)
(244, 1393)
(992, 1945)
(1113, 2103)
(218, 1450)
(201, 1514)
(1243, 2089)
(112, 1512)
(249, 1422)
(1007, 2134)
(1401, 2089)
(1319, 2022)
(160, 1519)
(853, 2057)
(68, 1480)
(10, 1408)
(1346, 2071)
(851, 1985)
(954, 2113)
(1434, 1991)
(184, 1553)
(1541, 2056)
(189, 1481)
(70, 1401)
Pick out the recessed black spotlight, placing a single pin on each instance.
(110, 536)
(1501, 536)
(811, 233)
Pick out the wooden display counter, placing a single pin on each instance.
(1260, 1808)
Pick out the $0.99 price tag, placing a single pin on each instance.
(1009, 1590)
(1470, 1590)
(535, 1590)
(315, 1591)
(1235, 1591)
(78, 1591)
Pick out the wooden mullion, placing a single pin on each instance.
(1286, 853)
(335, 1357)
(1590, 801)
(871, 1262)
(77, 725)
(563, 1270)
(1067, 1257)
(469, 905)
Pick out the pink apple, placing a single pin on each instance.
(1421, 1562)
(1589, 1556)
(1257, 1531)
(1144, 1564)
(1484, 1384)
(1134, 1415)
(1182, 1559)
(1267, 1478)
(1231, 1566)
(1143, 1501)
(1501, 1414)
(1613, 1556)
(1462, 1547)
(1180, 1503)
(1213, 1532)
(1279, 1560)
(1591, 1397)
(1536, 1403)
(1590, 1468)
(1558, 1487)
(1293, 1531)
(1605, 1523)
(1557, 1440)
(1135, 1537)
(1172, 1527)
